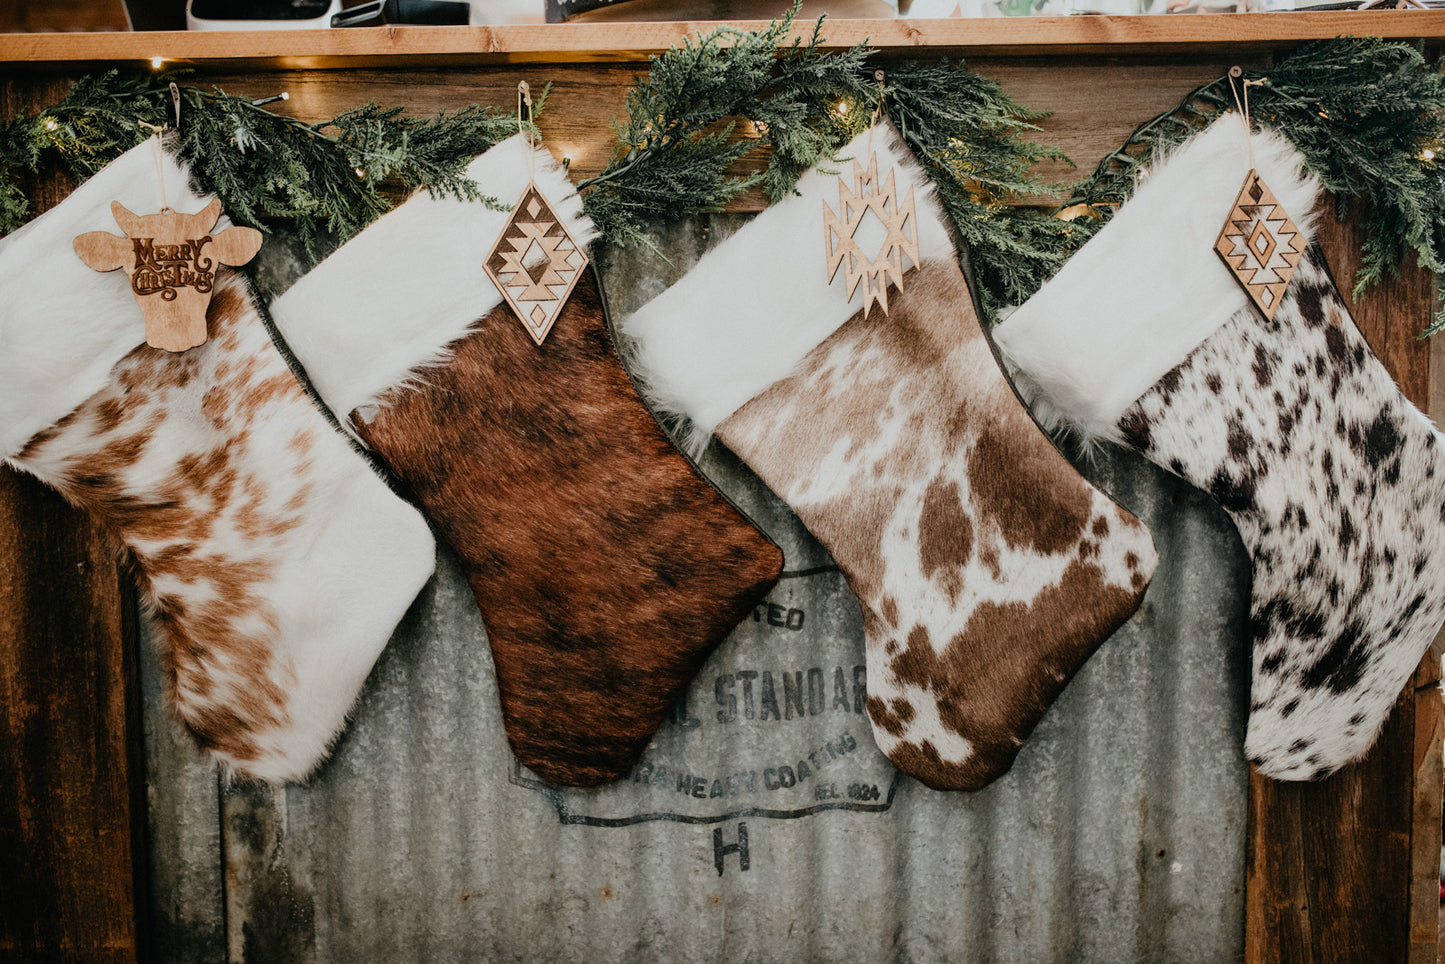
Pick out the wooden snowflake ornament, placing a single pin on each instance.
(171, 260)
(1260, 244)
(535, 263)
(877, 269)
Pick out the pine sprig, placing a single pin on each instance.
(1369, 117)
(972, 139)
(677, 147)
(328, 177)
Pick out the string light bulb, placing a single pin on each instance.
(50, 124)
(842, 108)
(1427, 155)
(360, 174)
(156, 63)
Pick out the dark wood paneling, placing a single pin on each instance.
(71, 790)
(1333, 864)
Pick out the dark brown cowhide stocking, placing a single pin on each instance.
(605, 567)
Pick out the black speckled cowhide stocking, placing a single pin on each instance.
(1334, 480)
(1337, 485)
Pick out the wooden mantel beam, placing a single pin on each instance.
(633, 42)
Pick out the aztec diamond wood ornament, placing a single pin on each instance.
(535, 263)
(876, 271)
(1260, 244)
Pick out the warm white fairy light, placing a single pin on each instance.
(360, 173)
(1427, 155)
(156, 63)
(50, 124)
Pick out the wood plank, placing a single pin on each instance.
(635, 42)
(72, 803)
(1331, 865)
(63, 15)
(1425, 830)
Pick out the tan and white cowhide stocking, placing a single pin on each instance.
(275, 562)
(1334, 480)
(988, 569)
(606, 569)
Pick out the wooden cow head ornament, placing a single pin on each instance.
(171, 260)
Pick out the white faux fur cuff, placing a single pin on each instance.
(63, 326)
(1148, 289)
(755, 305)
(390, 301)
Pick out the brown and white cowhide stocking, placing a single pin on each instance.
(606, 569)
(988, 569)
(275, 562)
(1334, 480)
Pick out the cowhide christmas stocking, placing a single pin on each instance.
(606, 569)
(275, 562)
(1335, 481)
(988, 569)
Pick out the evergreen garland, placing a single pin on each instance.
(1369, 117)
(971, 139)
(677, 147)
(679, 144)
(328, 178)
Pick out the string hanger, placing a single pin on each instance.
(524, 117)
(877, 108)
(1237, 73)
(157, 133)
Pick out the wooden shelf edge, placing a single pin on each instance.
(635, 42)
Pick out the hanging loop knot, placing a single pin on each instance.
(1237, 73)
(524, 119)
(155, 140)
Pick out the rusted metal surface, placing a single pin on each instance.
(747, 834)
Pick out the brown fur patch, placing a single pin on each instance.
(1048, 513)
(1027, 665)
(945, 534)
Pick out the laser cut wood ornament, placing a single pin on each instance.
(171, 260)
(536, 262)
(1259, 243)
(884, 266)
(876, 269)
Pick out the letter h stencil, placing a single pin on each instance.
(721, 850)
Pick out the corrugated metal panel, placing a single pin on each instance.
(1119, 835)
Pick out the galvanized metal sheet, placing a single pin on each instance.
(747, 834)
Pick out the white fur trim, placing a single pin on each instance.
(755, 305)
(368, 556)
(389, 302)
(1148, 289)
(63, 325)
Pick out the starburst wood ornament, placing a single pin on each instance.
(536, 262)
(875, 270)
(1260, 244)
